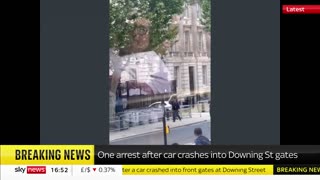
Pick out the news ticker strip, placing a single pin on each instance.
(123, 155)
(128, 170)
(219, 169)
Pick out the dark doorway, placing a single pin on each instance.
(191, 79)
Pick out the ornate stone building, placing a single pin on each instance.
(189, 59)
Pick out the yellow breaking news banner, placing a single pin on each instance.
(47, 154)
(197, 169)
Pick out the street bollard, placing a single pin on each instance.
(203, 108)
(167, 129)
(199, 109)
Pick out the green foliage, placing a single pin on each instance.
(123, 13)
(119, 25)
(206, 14)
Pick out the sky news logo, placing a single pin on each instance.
(36, 170)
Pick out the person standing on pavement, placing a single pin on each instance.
(200, 140)
(175, 110)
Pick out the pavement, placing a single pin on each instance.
(182, 135)
(147, 129)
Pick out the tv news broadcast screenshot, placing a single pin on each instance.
(164, 89)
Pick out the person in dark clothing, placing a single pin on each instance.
(200, 140)
(119, 105)
(175, 110)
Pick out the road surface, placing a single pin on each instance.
(181, 135)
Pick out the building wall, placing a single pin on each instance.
(184, 57)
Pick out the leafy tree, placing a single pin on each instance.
(123, 14)
(206, 14)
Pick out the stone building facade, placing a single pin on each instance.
(189, 59)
